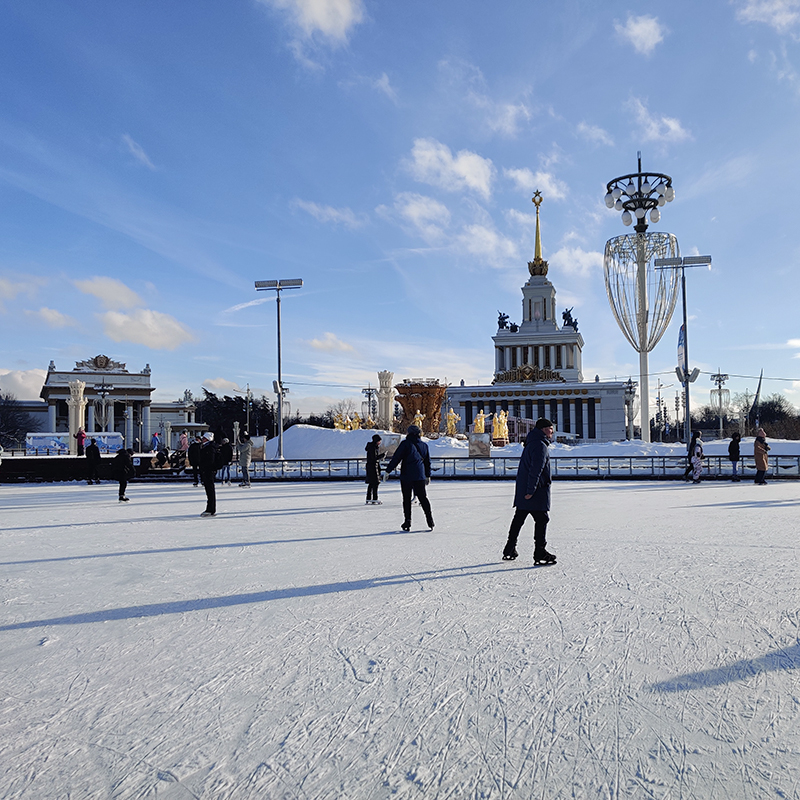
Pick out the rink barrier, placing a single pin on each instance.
(55, 469)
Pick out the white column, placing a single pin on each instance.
(128, 425)
(520, 359)
(598, 419)
(76, 403)
(90, 418)
(572, 411)
(51, 417)
(560, 416)
(541, 356)
(586, 419)
(146, 424)
(507, 356)
(498, 359)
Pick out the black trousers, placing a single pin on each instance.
(540, 520)
(411, 488)
(760, 475)
(372, 490)
(94, 472)
(123, 485)
(211, 492)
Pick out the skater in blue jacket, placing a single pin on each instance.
(532, 493)
(415, 473)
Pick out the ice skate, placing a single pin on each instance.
(543, 557)
(406, 526)
(124, 499)
(510, 553)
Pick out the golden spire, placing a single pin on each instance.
(538, 266)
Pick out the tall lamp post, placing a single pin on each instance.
(278, 286)
(642, 301)
(684, 376)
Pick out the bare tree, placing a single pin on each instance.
(346, 407)
(15, 423)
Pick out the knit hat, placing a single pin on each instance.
(413, 430)
(376, 438)
(543, 422)
(208, 436)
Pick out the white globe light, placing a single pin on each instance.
(646, 188)
(661, 188)
(626, 218)
(609, 198)
(655, 215)
(617, 193)
(618, 205)
(640, 212)
(630, 189)
(669, 194)
(662, 201)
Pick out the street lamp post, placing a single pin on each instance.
(277, 287)
(721, 394)
(684, 376)
(642, 306)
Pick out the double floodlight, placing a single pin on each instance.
(283, 283)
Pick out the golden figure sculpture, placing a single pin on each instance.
(500, 425)
(418, 419)
(480, 423)
(452, 418)
(355, 423)
(338, 422)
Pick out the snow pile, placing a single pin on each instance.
(308, 441)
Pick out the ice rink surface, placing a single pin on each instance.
(298, 645)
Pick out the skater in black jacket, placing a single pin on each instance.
(193, 454)
(93, 458)
(373, 470)
(209, 461)
(532, 493)
(415, 473)
(122, 470)
(734, 455)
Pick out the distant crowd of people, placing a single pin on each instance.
(694, 469)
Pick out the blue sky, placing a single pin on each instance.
(158, 158)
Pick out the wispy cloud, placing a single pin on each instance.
(577, 261)
(137, 151)
(654, 128)
(782, 15)
(529, 181)
(10, 288)
(433, 163)
(221, 385)
(143, 326)
(593, 133)
(112, 293)
(487, 244)
(338, 216)
(330, 343)
(53, 318)
(644, 33)
(332, 19)
(428, 217)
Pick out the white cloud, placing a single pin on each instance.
(593, 133)
(487, 244)
(331, 18)
(576, 261)
(545, 182)
(338, 216)
(503, 118)
(654, 128)
(53, 318)
(382, 85)
(221, 385)
(780, 14)
(330, 343)
(137, 151)
(149, 328)
(644, 33)
(428, 216)
(11, 288)
(111, 292)
(23, 384)
(433, 163)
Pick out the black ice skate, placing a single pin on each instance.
(510, 553)
(406, 526)
(543, 557)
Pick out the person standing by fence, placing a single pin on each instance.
(760, 450)
(93, 459)
(734, 455)
(245, 457)
(697, 459)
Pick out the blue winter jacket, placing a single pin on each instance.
(533, 473)
(413, 454)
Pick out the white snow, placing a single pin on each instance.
(299, 646)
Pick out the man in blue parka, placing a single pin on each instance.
(415, 471)
(532, 493)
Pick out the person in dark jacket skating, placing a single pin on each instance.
(122, 470)
(208, 472)
(373, 470)
(225, 458)
(734, 454)
(93, 459)
(532, 493)
(193, 454)
(415, 472)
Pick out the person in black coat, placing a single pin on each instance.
(225, 458)
(734, 454)
(532, 493)
(373, 470)
(122, 470)
(415, 472)
(208, 472)
(93, 458)
(193, 454)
